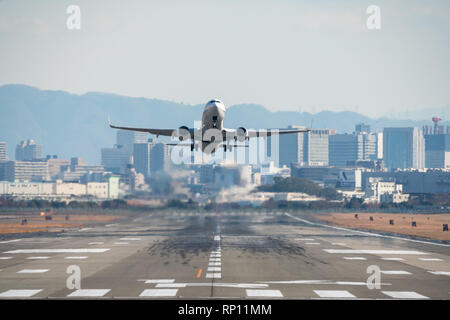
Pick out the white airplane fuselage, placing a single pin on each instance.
(212, 118)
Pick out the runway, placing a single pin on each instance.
(179, 255)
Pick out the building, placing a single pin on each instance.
(79, 170)
(28, 150)
(437, 151)
(403, 148)
(344, 148)
(160, 157)
(384, 190)
(142, 158)
(116, 159)
(126, 139)
(3, 151)
(56, 166)
(414, 182)
(362, 128)
(290, 147)
(24, 171)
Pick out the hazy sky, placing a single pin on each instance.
(285, 55)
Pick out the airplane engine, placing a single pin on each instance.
(183, 133)
(241, 134)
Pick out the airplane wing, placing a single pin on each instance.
(272, 132)
(158, 132)
(261, 133)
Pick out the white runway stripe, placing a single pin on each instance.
(119, 243)
(159, 293)
(441, 273)
(89, 293)
(312, 243)
(5, 258)
(24, 293)
(264, 293)
(338, 244)
(213, 275)
(171, 285)
(37, 258)
(334, 294)
(305, 239)
(355, 258)
(398, 272)
(76, 257)
(214, 259)
(57, 251)
(214, 264)
(130, 239)
(33, 271)
(404, 295)
(160, 281)
(430, 259)
(9, 241)
(393, 259)
(214, 269)
(96, 242)
(381, 252)
(217, 238)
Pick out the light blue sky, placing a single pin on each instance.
(285, 55)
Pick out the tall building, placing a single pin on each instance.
(308, 148)
(23, 171)
(28, 150)
(160, 157)
(126, 139)
(315, 147)
(3, 151)
(359, 146)
(116, 159)
(437, 151)
(142, 158)
(403, 148)
(291, 147)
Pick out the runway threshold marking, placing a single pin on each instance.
(57, 251)
(33, 271)
(442, 273)
(430, 259)
(395, 272)
(393, 259)
(5, 258)
(199, 273)
(334, 294)
(404, 295)
(159, 293)
(264, 293)
(355, 258)
(9, 241)
(23, 293)
(89, 293)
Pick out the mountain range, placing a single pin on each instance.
(77, 125)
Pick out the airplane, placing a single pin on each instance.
(212, 133)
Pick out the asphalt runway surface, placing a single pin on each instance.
(178, 255)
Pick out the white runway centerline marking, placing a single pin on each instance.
(5, 258)
(214, 269)
(441, 273)
(397, 272)
(159, 293)
(381, 252)
(355, 258)
(26, 293)
(57, 251)
(37, 258)
(430, 259)
(213, 275)
(33, 271)
(217, 238)
(334, 294)
(160, 281)
(393, 259)
(119, 243)
(305, 239)
(214, 264)
(312, 243)
(89, 293)
(404, 295)
(214, 259)
(95, 242)
(76, 257)
(264, 293)
(85, 229)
